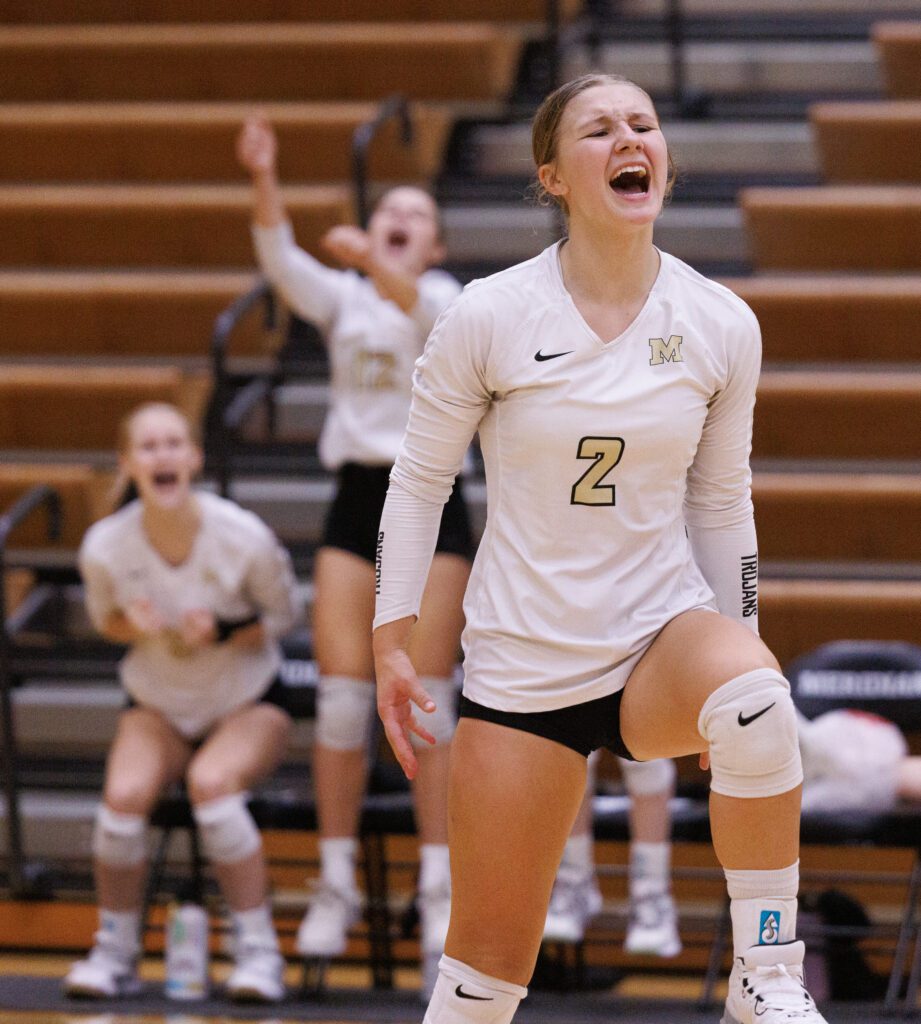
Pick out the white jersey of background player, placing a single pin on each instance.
(572, 428)
(236, 569)
(372, 344)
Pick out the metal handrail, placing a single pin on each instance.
(33, 499)
(394, 107)
(552, 43)
(675, 32)
(222, 430)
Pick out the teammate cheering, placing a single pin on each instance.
(375, 324)
(200, 590)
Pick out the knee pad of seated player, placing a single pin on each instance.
(442, 722)
(226, 828)
(345, 712)
(119, 839)
(647, 778)
(749, 724)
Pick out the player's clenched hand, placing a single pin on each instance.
(198, 627)
(145, 617)
(349, 245)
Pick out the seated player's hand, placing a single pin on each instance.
(145, 617)
(198, 628)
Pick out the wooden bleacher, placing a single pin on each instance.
(112, 226)
(216, 11)
(837, 290)
(838, 518)
(877, 142)
(81, 314)
(296, 62)
(194, 142)
(835, 318)
(898, 44)
(835, 227)
(842, 414)
(73, 408)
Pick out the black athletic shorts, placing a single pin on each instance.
(581, 727)
(354, 518)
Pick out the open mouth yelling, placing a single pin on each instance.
(165, 479)
(397, 239)
(631, 180)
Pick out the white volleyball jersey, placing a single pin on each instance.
(236, 569)
(600, 457)
(372, 345)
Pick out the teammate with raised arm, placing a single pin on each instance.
(200, 591)
(611, 602)
(374, 318)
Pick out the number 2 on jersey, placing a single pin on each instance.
(589, 489)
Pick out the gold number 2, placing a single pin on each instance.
(588, 489)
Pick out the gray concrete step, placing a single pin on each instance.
(720, 68)
(698, 147)
(697, 8)
(508, 234)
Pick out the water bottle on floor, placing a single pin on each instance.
(186, 949)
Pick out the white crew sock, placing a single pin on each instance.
(650, 869)
(763, 906)
(120, 930)
(434, 868)
(337, 862)
(256, 926)
(463, 995)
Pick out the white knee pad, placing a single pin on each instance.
(345, 712)
(648, 778)
(749, 724)
(226, 828)
(443, 720)
(119, 840)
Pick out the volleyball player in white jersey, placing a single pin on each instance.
(613, 598)
(374, 324)
(200, 591)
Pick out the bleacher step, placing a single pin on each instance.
(734, 68)
(176, 142)
(508, 234)
(698, 147)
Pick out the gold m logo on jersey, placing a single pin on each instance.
(662, 351)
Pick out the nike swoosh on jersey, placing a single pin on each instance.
(541, 358)
(743, 721)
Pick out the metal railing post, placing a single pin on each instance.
(21, 510)
(396, 107)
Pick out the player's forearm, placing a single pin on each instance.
(268, 206)
(119, 629)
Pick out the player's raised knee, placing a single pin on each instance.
(749, 724)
